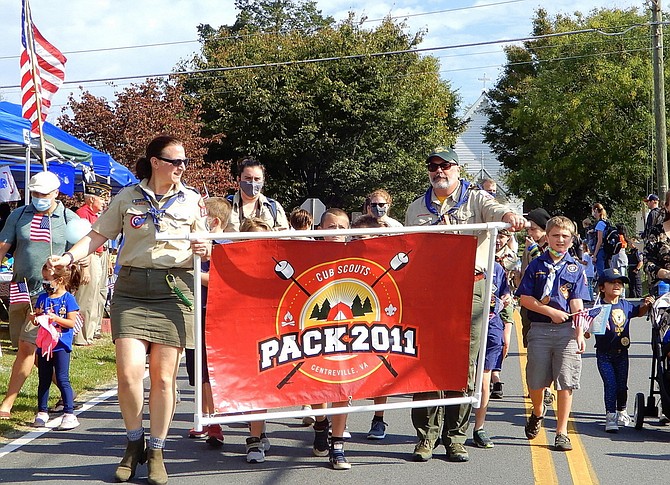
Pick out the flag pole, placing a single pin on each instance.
(38, 94)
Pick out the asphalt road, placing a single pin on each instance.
(89, 454)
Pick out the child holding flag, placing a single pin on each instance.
(55, 314)
(612, 346)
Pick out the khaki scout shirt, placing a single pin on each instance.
(140, 247)
(508, 258)
(263, 211)
(480, 207)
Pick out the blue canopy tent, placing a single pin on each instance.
(63, 150)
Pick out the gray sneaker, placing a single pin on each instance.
(481, 439)
(562, 442)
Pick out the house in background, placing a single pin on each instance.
(476, 155)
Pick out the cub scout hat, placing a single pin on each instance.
(44, 182)
(97, 188)
(612, 274)
(651, 197)
(445, 153)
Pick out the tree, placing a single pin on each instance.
(125, 126)
(570, 118)
(335, 130)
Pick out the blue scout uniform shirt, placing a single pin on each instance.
(500, 289)
(569, 283)
(61, 306)
(617, 333)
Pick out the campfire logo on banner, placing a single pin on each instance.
(339, 312)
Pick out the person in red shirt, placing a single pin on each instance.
(92, 293)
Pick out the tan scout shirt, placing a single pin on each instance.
(263, 210)
(480, 207)
(126, 213)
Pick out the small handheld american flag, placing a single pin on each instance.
(40, 228)
(18, 293)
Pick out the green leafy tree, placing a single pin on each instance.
(571, 117)
(336, 129)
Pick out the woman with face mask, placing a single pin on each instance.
(250, 202)
(378, 204)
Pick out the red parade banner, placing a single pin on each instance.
(291, 322)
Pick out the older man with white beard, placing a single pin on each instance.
(451, 199)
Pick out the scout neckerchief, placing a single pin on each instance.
(155, 213)
(428, 201)
(552, 269)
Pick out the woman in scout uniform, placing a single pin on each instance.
(612, 346)
(152, 306)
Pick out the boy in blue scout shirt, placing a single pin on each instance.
(552, 289)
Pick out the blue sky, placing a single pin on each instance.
(81, 25)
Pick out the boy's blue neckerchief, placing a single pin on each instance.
(428, 201)
(156, 214)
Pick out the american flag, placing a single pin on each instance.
(582, 319)
(42, 71)
(78, 323)
(18, 293)
(40, 228)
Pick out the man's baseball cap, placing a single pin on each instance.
(651, 197)
(445, 153)
(44, 182)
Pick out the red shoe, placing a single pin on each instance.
(192, 433)
(215, 436)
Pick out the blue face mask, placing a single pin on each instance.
(42, 205)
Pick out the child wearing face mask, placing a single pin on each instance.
(378, 204)
(56, 313)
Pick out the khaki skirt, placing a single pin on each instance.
(144, 306)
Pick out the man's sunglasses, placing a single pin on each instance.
(175, 161)
(378, 204)
(432, 166)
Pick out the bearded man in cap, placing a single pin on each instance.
(37, 231)
(453, 200)
(92, 292)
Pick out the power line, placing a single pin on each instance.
(353, 56)
(445, 11)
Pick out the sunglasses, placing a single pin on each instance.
(432, 166)
(175, 161)
(378, 204)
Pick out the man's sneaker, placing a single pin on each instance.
(481, 439)
(337, 459)
(255, 453)
(377, 430)
(611, 425)
(562, 442)
(69, 421)
(41, 420)
(214, 435)
(497, 390)
(321, 447)
(457, 452)
(423, 451)
(623, 418)
(192, 433)
(308, 420)
(548, 397)
(265, 443)
(533, 425)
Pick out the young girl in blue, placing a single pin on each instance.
(612, 347)
(61, 306)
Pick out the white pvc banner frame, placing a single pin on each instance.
(200, 420)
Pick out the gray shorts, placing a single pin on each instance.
(552, 356)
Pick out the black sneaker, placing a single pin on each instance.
(533, 426)
(497, 390)
(562, 442)
(321, 447)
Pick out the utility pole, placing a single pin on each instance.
(661, 151)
